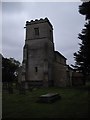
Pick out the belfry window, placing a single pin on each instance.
(36, 31)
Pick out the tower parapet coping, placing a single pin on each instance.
(36, 21)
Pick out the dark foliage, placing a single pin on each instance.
(9, 69)
(84, 9)
(82, 57)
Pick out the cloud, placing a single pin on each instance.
(66, 21)
(12, 30)
(12, 7)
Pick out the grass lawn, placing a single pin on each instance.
(73, 104)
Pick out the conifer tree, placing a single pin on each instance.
(82, 57)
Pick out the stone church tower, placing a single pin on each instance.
(38, 53)
(42, 65)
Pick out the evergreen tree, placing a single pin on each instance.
(82, 57)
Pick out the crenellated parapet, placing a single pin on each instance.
(36, 21)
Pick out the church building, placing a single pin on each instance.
(42, 65)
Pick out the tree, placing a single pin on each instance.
(9, 73)
(84, 9)
(82, 57)
(9, 69)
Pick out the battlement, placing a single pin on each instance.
(36, 21)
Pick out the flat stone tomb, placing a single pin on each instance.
(49, 98)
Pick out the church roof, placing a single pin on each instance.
(56, 52)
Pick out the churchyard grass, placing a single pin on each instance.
(73, 104)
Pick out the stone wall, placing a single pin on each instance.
(59, 70)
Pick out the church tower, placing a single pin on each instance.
(38, 53)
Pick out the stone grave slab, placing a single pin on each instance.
(49, 98)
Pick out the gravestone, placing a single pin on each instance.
(49, 98)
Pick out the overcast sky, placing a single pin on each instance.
(65, 18)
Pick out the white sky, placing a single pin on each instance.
(64, 16)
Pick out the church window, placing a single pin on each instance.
(36, 69)
(36, 31)
(50, 34)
